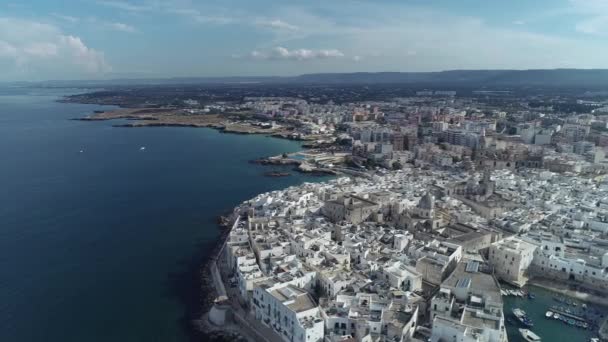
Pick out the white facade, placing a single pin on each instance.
(511, 258)
(290, 311)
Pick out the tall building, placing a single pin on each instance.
(398, 142)
(511, 258)
(410, 139)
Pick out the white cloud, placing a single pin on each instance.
(122, 27)
(43, 49)
(357, 58)
(7, 50)
(91, 60)
(125, 6)
(519, 22)
(209, 19)
(595, 16)
(595, 25)
(598, 7)
(64, 17)
(281, 53)
(275, 24)
(110, 25)
(394, 31)
(199, 17)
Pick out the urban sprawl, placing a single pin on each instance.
(442, 205)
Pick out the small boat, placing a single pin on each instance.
(529, 336)
(585, 325)
(277, 174)
(571, 321)
(522, 317)
(549, 314)
(142, 148)
(531, 295)
(584, 306)
(556, 315)
(519, 313)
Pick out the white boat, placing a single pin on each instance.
(142, 148)
(529, 336)
(549, 314)
(556, 315)
(519, 313)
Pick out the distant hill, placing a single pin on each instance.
(591, 78)
(555, 77)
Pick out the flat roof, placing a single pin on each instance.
(480, 283)
(471, 318)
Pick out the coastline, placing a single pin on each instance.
(154, 117)
(198, 288)
(225, 123)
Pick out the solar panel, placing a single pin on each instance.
(472, 267)
(463, 282)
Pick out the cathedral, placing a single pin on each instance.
(422, 217)
(478, 191)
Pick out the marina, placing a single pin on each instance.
(550, 317)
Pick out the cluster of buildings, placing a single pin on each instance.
(414, 254)
(477, 197)
(437, 129)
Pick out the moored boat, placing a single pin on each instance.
(522, 317)
(549, 314)
(529, 336)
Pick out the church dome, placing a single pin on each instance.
(427, 202)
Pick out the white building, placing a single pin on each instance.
(290, 311)
(468, 307)
(511, 258)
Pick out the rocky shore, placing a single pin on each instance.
(167, 117)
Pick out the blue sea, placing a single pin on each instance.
(100, 239)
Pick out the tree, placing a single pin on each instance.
(397, 165)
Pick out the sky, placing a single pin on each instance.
(101, 39)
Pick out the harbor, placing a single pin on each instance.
(551, 316)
